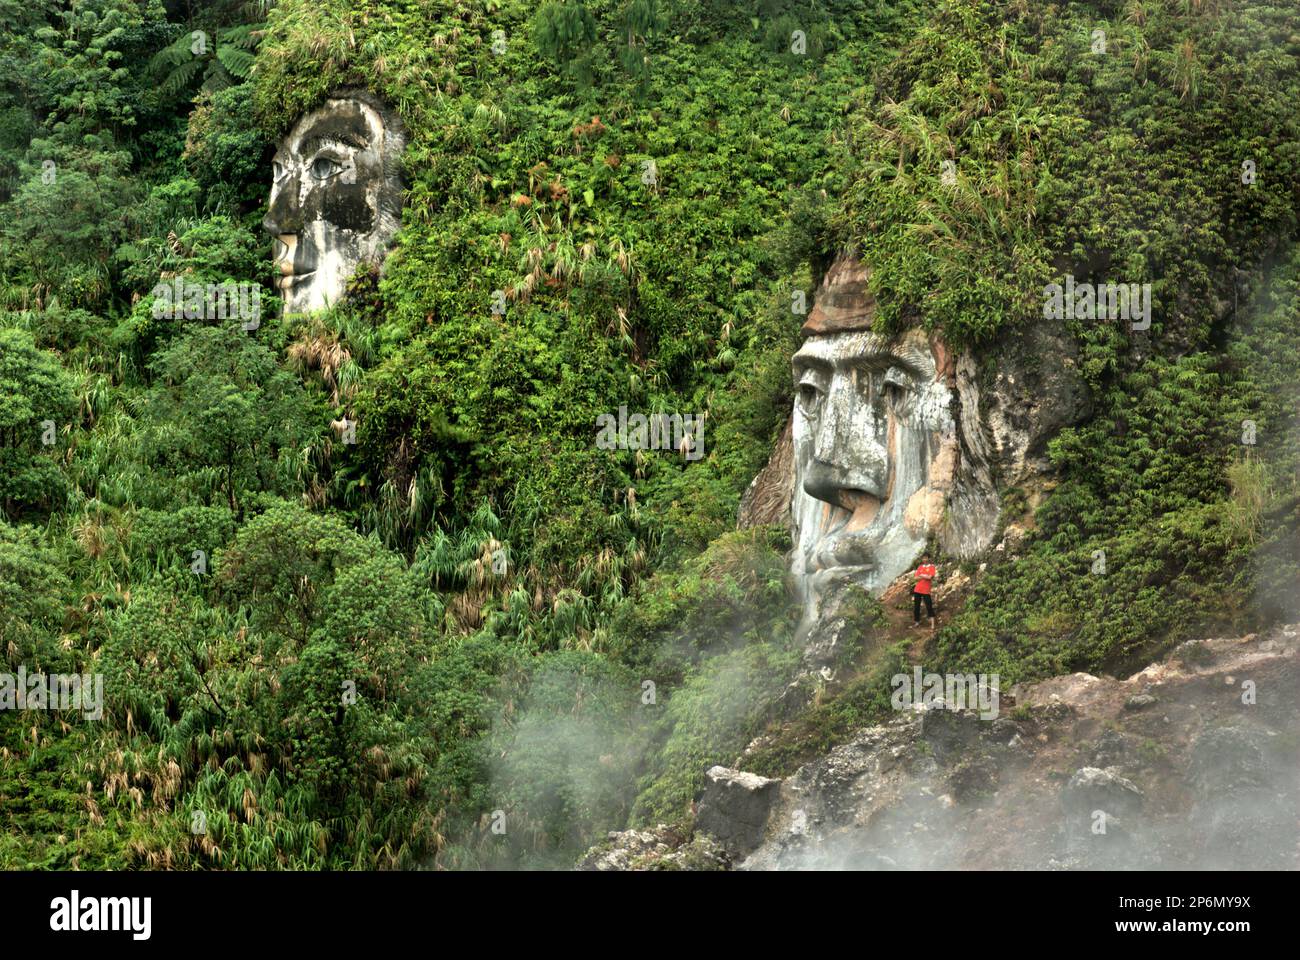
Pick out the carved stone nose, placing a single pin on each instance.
(285, 213)
(846, 454)
(844, 485)
(824, 481)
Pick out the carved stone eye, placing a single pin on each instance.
(279, 170)
(895, 386)
(809, 398)
(810, 393)
(322, 168)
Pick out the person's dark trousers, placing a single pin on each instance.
(916, 606)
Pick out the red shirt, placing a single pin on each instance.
(924, 574)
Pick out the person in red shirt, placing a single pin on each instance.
(925, 573)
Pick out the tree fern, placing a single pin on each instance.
(223, 57)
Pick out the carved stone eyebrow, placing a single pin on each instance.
(913, 366)
(876, 360)
(907, 356)
(809, 361)
(913, 356)
(874, 354)
(349, 141)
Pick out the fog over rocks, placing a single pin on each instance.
(1173, 768)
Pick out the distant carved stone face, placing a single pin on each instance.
(875, 452)
(336, 198)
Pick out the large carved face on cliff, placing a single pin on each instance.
(336, 198)
(896, 443)
(876, 448)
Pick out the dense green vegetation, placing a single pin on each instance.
(311, 655)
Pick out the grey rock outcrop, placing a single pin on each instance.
(1204, 782)
(1244, 789)
(658, 849)
(734, 808)
(1092, 789)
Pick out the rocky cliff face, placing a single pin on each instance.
(1194, 763)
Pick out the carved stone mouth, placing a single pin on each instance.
(844, 571)
(862, 507)
(848, 542)
(852, 513)
(287, 280)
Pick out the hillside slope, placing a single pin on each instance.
(474, 638)
(1188, 765)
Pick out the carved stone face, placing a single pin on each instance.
(336, 198)
(897, 443)
(875, 452)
